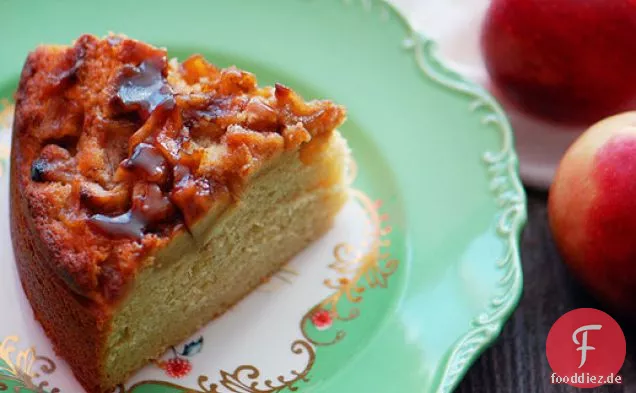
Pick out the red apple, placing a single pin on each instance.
(567, 61)
(592, 210)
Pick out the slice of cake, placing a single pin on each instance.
(148, 197)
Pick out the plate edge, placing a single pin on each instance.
(510, 195)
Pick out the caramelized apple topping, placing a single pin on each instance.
(147, 162)
(55, 164)
(144, 88)
(125, 148)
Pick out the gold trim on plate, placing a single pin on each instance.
(6, 114)
(6, 120)
(366, 268)
(245, 378)
(24, 367)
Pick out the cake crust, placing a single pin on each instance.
(116, 151)
(55, 304)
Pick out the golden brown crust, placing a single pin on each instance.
(116, 150)
(53, 303)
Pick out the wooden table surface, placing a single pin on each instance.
(517, 363)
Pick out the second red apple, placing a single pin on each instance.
(568, 61)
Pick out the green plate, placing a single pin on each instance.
(436, 150)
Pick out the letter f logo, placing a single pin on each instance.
(583, 346)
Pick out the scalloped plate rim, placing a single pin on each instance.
(451, 379)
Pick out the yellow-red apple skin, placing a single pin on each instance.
(592, 210)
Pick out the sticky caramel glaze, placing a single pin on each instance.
(117, 150)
